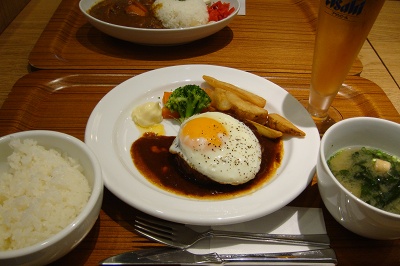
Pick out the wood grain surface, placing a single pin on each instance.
(379, 55)
(274, 36)
(385, 38)
(62, 100)
(9, 9)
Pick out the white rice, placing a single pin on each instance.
(181, 13)
(41, 193)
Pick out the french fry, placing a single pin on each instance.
(275, 121)
(221, 101)
(246, 110)
(266, 131)
(210, 92)
(248, 106)
(245, 95)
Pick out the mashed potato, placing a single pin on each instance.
(181, 13)
(40, 194)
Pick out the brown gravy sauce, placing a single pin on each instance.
(121, 12)
(151, 156)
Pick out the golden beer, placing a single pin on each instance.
(343, 26)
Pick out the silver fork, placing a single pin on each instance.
(180, 236)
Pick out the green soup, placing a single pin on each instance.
(369, 174)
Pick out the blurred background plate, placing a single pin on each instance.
(158, 36)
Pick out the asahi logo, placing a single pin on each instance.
(352, 8)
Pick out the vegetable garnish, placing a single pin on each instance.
(187, 101)
(219, 10)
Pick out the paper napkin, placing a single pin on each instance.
(288, 220)
(242, 9)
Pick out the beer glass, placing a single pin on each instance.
(343, 26)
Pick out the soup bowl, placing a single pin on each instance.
(348, 210)
(158, 36)
(59, 244)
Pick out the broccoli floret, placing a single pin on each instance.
(187, 101)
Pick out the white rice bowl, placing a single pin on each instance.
(41, 193)
(176, 14)
(51, 192)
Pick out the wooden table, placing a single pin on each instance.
(42, 98)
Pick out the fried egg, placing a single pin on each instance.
(220, 147)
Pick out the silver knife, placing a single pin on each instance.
(172, 256)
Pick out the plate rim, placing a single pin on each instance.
(227, 215)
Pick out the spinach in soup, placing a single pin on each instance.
(370, 174)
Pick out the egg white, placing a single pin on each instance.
(235, 162)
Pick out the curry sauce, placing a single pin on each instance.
(130, 13)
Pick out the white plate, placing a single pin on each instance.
(110, 132)
(158, 36)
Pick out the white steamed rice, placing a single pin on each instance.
(42, 192)
(181, 13)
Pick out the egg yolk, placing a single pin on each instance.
(202, 132)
